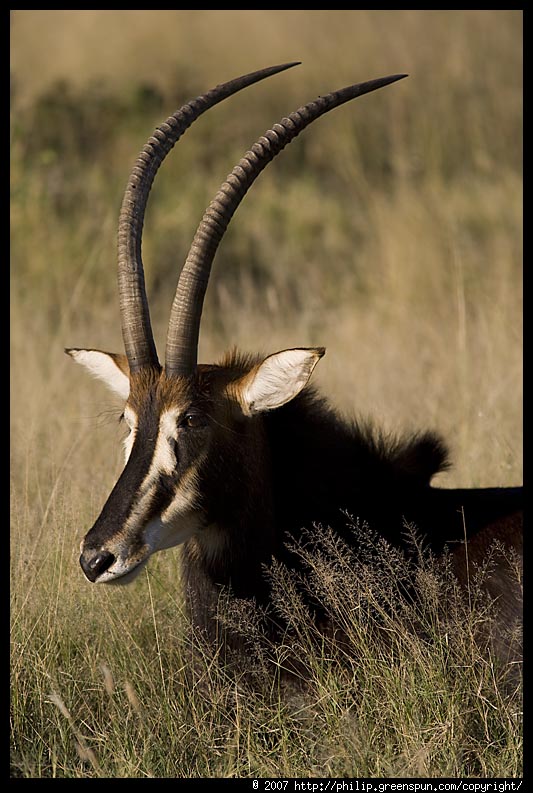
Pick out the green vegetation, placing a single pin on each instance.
(389, 232)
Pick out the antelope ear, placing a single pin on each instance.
(110, 367)
(278, 379)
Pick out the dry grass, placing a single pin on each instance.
(390, 233)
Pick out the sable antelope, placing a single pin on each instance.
(229, 459)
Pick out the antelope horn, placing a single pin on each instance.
(135, 316)
(184, 324)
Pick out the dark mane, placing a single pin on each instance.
(319, 467)
(419, 456)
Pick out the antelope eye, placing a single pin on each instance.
(193, 420)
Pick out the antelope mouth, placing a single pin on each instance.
(104, 568)
(124, 578)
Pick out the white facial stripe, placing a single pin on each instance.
(185, 496)
(179, 520)
(176, 523)
(164, 459)
(130, 418)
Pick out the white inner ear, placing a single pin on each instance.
(279, 379)
(103, 365)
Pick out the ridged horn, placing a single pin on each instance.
(184, 325)
(135, 316)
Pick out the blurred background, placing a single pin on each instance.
(389, 232)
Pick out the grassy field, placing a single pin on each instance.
(389, 232)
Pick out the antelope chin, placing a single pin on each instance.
(122, 578)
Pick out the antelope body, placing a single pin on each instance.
(229, 460)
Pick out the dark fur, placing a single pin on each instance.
(275, 475)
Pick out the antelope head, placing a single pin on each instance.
(195, 430)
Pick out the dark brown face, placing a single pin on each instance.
(193, 453)
(156, 502)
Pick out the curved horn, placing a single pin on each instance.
(135, 315)
(184, 324)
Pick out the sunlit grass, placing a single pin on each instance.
(105, 686)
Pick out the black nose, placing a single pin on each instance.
(94, 564)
